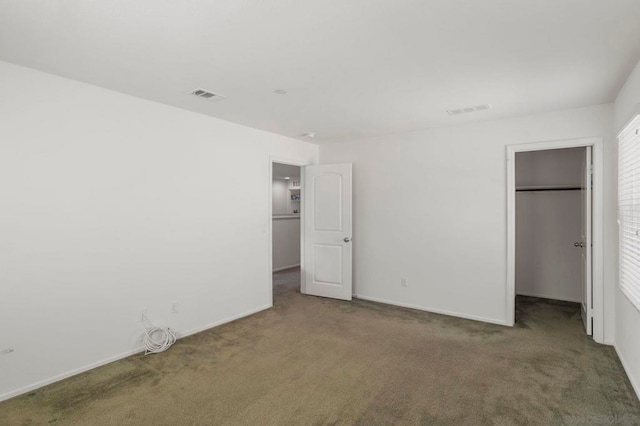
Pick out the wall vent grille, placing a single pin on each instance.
(468, 110)
(207, 95)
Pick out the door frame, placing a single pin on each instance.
(289, 162)
(597, 221)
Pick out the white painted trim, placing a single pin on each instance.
(542, 296)
(286, 267)
(303, 275)
(68, 374)
(597, 224)
(224, 321)
(634, 384)
(109, 360)
(511, 238)
(290, 162)
(432, 310)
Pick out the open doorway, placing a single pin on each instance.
(554, 222)
(286, 214)
(553, 233)
(315, 204)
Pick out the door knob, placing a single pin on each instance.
(347, 239)
(578, 244)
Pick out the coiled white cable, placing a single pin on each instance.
(158, 339)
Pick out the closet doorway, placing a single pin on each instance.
(286, 214)
(554, 227)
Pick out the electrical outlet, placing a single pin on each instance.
(404, 282)
(6, 351)
(174, 307)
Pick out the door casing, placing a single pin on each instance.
(586, 304)
(596, 220)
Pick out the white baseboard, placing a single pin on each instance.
(433, 310)
(286, 267)
(634, 384)
(68, 374)
(224, 321)
(545, 296)
(109, 360)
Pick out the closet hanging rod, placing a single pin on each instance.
(549, 188)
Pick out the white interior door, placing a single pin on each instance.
(327, 231)
(585, 243)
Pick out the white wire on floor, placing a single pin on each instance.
(158, 339)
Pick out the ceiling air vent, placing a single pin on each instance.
(207, 95)
(469, 109)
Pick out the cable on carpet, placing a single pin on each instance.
(157, 339)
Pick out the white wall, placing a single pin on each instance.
(547, 225)
(111, 204)
(627, 316)
(431, 206)
(280, 195)
(286, 242)
(285, 230)
(549, 167)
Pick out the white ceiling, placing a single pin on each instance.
(352, 68)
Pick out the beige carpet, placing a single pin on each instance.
(314, 361)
